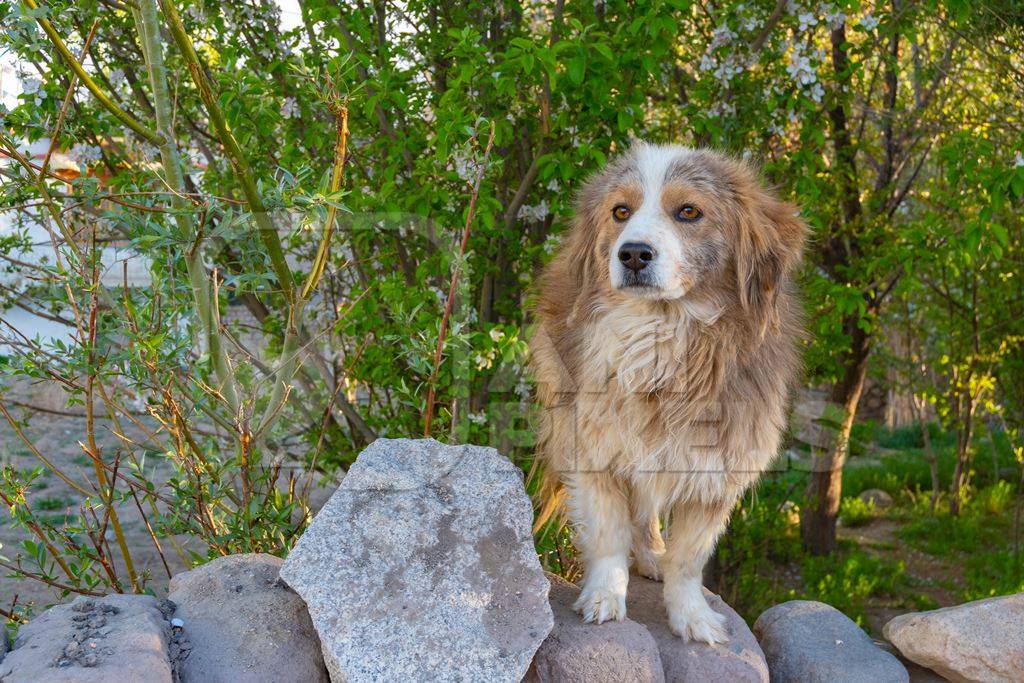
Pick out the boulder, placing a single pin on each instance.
(880, 498)
(114, 639)
(241, 624)
(917, 673)
(738, 660)
(421, 566)
(616, 651)
(811, 642)
(976, 641)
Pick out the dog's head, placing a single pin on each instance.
(668, 223)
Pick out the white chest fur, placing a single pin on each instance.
(634, 354)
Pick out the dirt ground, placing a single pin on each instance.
(937, 578)
(57, 437)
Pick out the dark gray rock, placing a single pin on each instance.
(114, 639)
(613, 652)
(811, 642)
(421, 567)
(241, 624)
(738, 660)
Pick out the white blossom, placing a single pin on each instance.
(83, 155)
(523, 389)
(800, 68)
(834, 16)
(869, 22)
(551, 244)
(806, 20)
(727, 69)
(116, 76)
(534, 213)
(707, 63)
(722, 36)
(30, 85)
(496, 334)
(1018, 160)
(478, 418)
(290, 108)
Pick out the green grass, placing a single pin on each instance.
(854, 512)
(51, 504)
(763, 563)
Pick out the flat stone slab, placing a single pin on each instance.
(242, 624)
(421, 567)
(810, 642)
(977, 641)
(739, 660)
(113, 639)
(575, 652)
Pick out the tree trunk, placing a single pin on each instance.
(824, 488)
(929, 452)
(963, 456)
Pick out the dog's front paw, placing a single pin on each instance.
(600, 604)
(698, 622)
(648, 564)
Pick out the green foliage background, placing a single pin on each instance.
(930, 150)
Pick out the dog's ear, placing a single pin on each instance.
(770, 245)
(582, 257)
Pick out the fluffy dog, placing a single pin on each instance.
(667, 342)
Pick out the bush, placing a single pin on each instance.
(854, 512)
(848, 580)
(993, 500)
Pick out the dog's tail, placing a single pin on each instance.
(548, 494)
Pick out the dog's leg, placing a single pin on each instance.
(600, 514)
(692, 534)
(648, 544)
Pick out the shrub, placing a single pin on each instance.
(854, 512)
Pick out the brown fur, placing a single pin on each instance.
(678, 374)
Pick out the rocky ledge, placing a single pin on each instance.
(421, 567)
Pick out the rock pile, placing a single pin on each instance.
(421, 567)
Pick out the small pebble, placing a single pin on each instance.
(176, 622)
(72, 648)
(84, 606)
(89, 660)
(166, 607)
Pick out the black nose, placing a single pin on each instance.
(636, 255)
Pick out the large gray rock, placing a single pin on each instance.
(738, 660)
(613, 652)
(811, 642)
(976, 641)
(243, 625)
(881, 499)
(422, 567)
(114, 639)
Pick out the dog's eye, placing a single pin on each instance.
(621, 212)
(689, 213)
